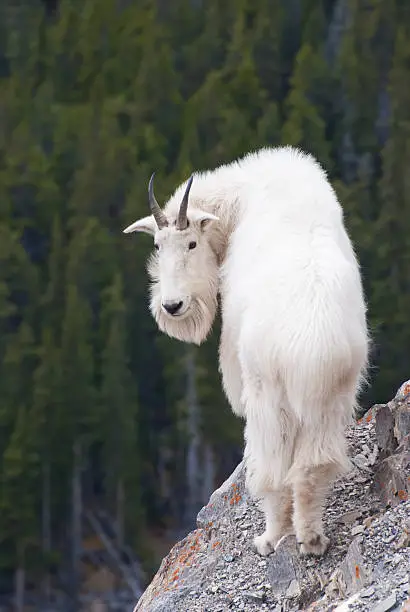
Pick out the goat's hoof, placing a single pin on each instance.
(264, 544)
(314, 544)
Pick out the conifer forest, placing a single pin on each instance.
(110, 431)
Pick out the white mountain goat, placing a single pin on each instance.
(266, 232)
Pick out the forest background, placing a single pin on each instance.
(99, 412)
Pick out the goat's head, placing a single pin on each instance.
(183, 269)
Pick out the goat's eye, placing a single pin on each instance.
(156, 246)
(192, 245)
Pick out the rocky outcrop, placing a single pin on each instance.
(367, 516)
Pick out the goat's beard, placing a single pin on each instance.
(192, 327)
(195, 325)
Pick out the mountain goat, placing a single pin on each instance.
(266, 233)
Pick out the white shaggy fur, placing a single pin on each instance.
(271, 241)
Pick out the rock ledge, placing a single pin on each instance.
(367, 516)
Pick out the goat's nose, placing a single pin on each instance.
(172, 307)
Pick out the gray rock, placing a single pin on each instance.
(350, 517)
(391, 478)
(402, 425)
(293, 589)
(231, 493)
(368, 592)
(385, 437)
(255, 597)
(283, 566)
(352, 574)
(393, 437)
(403, 391)
(387, 604)
(361, 462)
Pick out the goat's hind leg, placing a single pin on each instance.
(269, 434)
(277, 506)
(320, 457)
(310, 486)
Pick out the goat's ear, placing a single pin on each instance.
(146, 225)
(203, 219)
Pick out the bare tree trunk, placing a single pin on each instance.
(76, 523)
(208, 482)
(192, 465)
(130, 577)
(20, 579)
(46, 523)
(120, 513)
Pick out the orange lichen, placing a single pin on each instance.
(369, 416)
(235, 499)
(215, 544)
(406, 389)
(403, 495)
(180, 557)
(357, 571)
(175, 575)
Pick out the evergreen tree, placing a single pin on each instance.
(19, 502)
(77, 416)
(305, 125)
(52, 463)
(266, 43)
(363, 64)
(118, 417)
(393, 223)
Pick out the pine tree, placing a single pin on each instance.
(53, 297)
(237, 132)
(363, 64)
(16, 369)
(45, 410)
(392, 253)
(118, 417)
(157, 95)
(266, 43)
(269, 126)
(208, 51)
(8, 308)
(77, 417)
(19, 459)
(19, 500)
(305, 125)
(203, 117)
